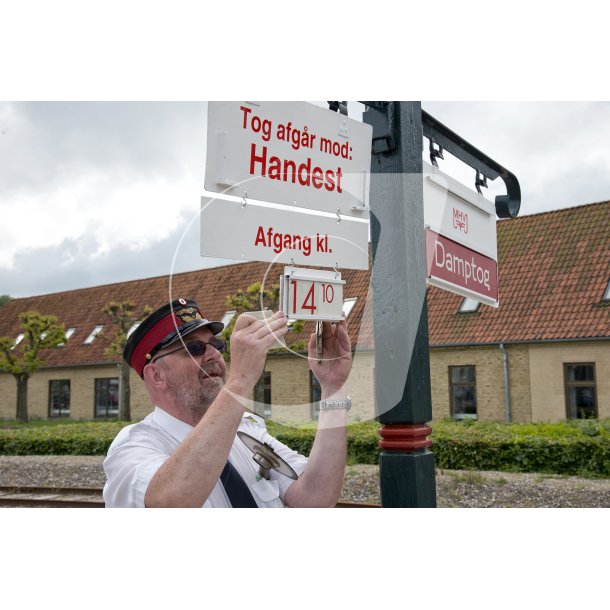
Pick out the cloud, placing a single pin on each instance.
(120, 175)
(78, 263)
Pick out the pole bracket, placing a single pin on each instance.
(507, 206)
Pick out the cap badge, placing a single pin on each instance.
(188, 314)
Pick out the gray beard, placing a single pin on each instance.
(196, 397)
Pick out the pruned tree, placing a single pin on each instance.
(255, 298)
(123, 317)
(21, 360)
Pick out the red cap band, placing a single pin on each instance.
(151, 339)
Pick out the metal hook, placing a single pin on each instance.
(479, 182)
(338, 214)
(434, 153)
(336, 269)
(245, 203)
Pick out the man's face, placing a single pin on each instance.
(194, 381)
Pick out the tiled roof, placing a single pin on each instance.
(553, 271)
(83, 309)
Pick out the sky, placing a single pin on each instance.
(101, 192)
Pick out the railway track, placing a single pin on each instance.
(51, 497)
(78, 497)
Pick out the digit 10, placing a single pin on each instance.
(328, 293)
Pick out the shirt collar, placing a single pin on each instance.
(178, 429)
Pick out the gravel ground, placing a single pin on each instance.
(463, 489)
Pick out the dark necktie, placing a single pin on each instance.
(236, 488)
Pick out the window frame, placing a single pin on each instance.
(95, 394)
(453, 414)
(567, 385)
(473, 305)
(62, 412)
(93, 334)
(348, 306)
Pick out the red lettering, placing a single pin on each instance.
(317, 177)
(275, 167)
(328, 293)
(260, 237)
(262, 160)
(246, 112)
(310, 297)
(307, 168)
(330, 180)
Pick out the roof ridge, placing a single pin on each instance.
(141, 279)
(558, 211)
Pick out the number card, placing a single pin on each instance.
(307, 294)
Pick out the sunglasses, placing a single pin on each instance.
(196, 348)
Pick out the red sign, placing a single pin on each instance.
(475, 274)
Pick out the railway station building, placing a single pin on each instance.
(542, 355)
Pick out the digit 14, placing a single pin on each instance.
(308, 302)
(328, 296)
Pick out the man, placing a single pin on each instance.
(187, 452)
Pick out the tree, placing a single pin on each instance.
(254, 298)
(21, 360)
(122, 315)
(4, 299)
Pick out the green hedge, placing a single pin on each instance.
(74, 438)
(576, 447)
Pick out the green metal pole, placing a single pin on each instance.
(402, 368)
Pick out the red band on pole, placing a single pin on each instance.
(400, 437)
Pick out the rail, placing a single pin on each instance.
(51, 497)
(78, 497)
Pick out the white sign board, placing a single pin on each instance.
(459, 213)
(293, 153)
(307, 294)
(461, 246)
(230, 229)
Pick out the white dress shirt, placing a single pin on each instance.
(139, 449)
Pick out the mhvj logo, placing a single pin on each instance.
(460, 220)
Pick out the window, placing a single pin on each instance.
(315, 395)
(468, 305)
(581, 400)
(262, 395)
(18, 340)
(132, 328)
(463, 392)
(348, 305)
(107, 397)
(226, 319)
(59, 398)
(607, 293)
(94, 333)
(69, 333)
